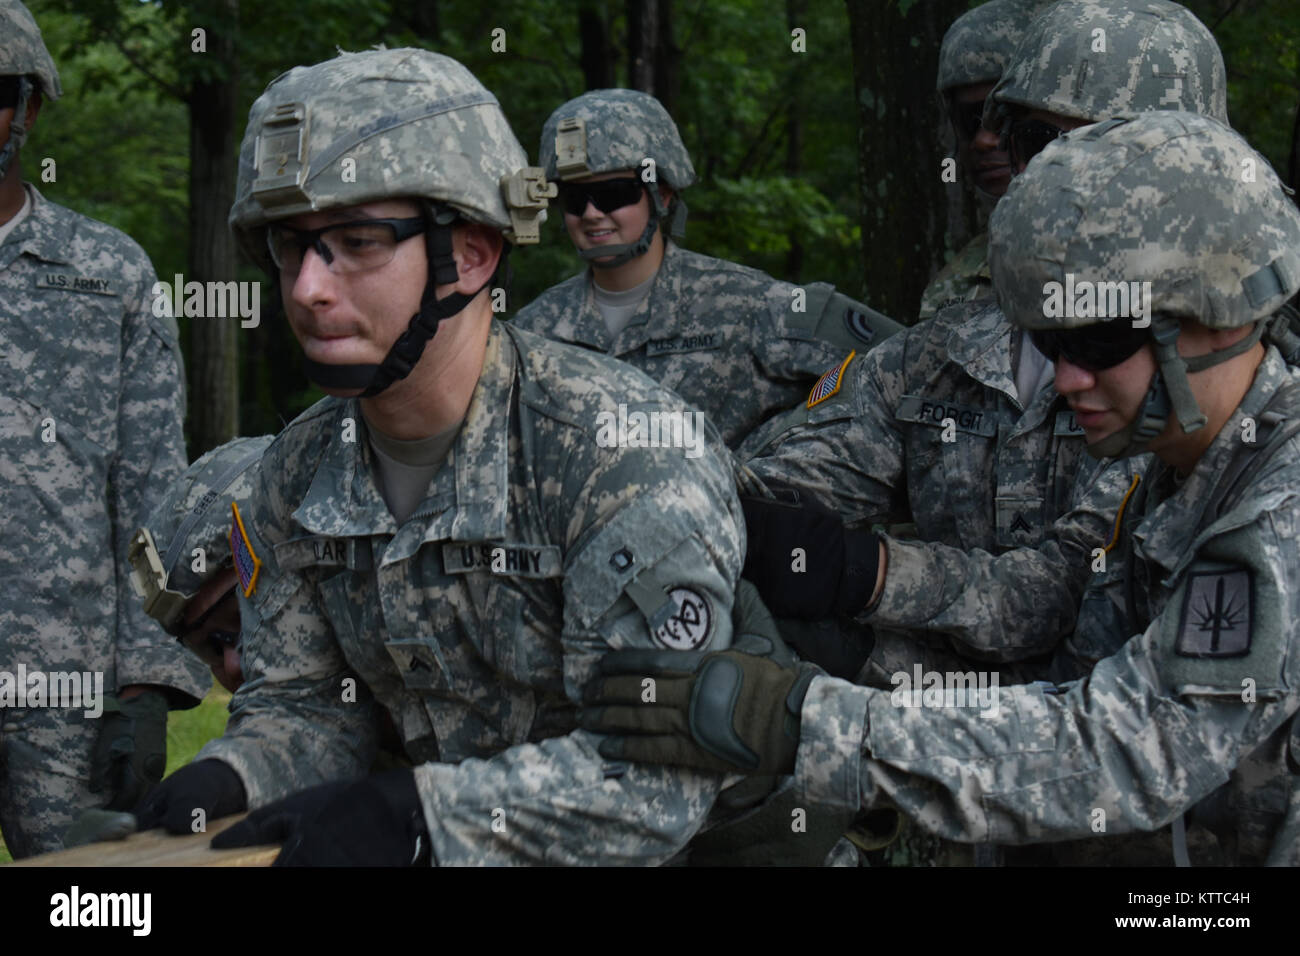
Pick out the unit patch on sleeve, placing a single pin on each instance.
(247, 563)
(829, 383)
(689, 626)
(1216, 615)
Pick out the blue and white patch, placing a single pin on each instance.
(689, 626)
(1217, 615)
(859, 325)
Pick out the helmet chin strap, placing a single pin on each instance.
(626, 252)
(17, 127)
(1170, 391)
(408, 348)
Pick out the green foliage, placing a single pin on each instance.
(120, 135)
(189, 730)
(1260, 40)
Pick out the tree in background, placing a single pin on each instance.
(814, 127)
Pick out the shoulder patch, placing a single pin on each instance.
(688, 627)
(829, 383)
(247, 563)
(1217, 615)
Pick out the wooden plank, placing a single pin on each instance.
(159, 848)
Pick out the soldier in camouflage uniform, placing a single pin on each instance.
(954, 426)
(730, 340)
(1195, 708)
(181, 560)
(955, 431)
(1080, 62)
(450, 537)
(90, 423)
(971, 59)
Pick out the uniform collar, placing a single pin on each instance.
(344, 499)
(44, 234)
(660, 315)
(981, 346)
(1168, 531)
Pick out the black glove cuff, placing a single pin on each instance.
(861, 566)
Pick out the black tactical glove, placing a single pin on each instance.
(208, 785)
(130, 753)
(837, 571)
(377, 821)
(721, 712)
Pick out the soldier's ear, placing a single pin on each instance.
(477, 249)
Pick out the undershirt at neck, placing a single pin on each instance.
(616, 308)
(407, 467)
(18, 217)
(1032, 370)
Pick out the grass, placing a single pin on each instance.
(187, 732)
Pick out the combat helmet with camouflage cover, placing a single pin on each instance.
(1093, 60)
(980, 42)
(387, 124)
(194, 513)
(608, 131)
(1172, 199)
(23, 55)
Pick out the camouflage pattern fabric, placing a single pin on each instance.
(593, 548)
(964, 279)
(193, 512)
(1169, 722)
(1148, 55)
(449, 141)
(23, 52)
(90, 426)
(979, 43)
(723, 336)
(621, 129)
(928, 429)
(1221, 241)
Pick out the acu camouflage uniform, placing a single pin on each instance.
(875, 452)
(1160, 58)
(975, 50)
(477, 622)
(87, 364)
(1199, 608)
(964, 279)
(1154, 729)
(91, 402)
(732, 341)
(721, 335)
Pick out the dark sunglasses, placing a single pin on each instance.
(1092, 348)
(9, 90)
(607, 195)
(967, 118)
(1026, 138)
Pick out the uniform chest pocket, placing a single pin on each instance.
(74, 379)
(353, 613)
(522, 625)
